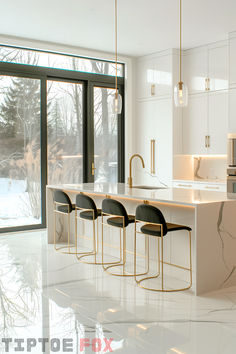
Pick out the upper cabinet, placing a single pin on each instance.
(154, 76)
(205, 124)
(206, 68)
(232, 59)
(195, 69)
(218, 67)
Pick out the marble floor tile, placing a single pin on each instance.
(45, 294)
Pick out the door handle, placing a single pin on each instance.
(93, 169)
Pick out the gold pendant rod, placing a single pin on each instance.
(116, 43)
(180, 41)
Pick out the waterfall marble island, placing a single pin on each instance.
(210, 214)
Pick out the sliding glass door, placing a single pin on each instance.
(54, 130)
(65, 132)
(20, 151)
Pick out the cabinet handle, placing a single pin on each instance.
(207, 84)
(205, 141)
(208, 141)
(153, 156)
(209, 187)
(153, 90)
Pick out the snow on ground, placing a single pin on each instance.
(14, 204)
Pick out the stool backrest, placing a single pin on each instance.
(62, 197)
(113, 207)
(86, 202)
(150, 214)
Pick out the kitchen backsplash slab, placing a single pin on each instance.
(200, 168)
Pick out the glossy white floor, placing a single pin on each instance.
(44, 294)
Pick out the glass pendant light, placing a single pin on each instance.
(180, 90)
(117, 98)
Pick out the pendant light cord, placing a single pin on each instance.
(116, 44)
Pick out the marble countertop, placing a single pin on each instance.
(178, 196)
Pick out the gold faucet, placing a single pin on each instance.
(130, 180)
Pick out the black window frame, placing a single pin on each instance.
(89, 80)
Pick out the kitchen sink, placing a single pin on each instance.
(148, 187)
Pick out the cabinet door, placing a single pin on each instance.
(162, 75)
(232, 111)
(144, 72)
(154, 121)
(218, 122)
(232, 61)
(218, 68)
(195, 69)
(195, 125)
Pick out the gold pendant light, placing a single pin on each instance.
(117, 99)
(180, 90)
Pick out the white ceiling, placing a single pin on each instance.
(145, 26)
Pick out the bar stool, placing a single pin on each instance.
(120, 219)
(62, 205)
(154, 224)
(87, 209)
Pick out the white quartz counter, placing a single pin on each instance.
(180, 196)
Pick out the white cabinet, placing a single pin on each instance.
(195, 125)
(154, 121)
(218, 68)
(232, 60)
(195, 69)
(209, 186)
(154, 76)
(218, 122)
(206, 68)
(144, 67)
(205, 124)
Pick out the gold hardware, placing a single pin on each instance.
(207, 84)
(153, 90)
(93, 169)
(208, 141)
(108, 196)
(153, 156)
(130, 179)
(210, 187)
(205, 141)
(145, 202)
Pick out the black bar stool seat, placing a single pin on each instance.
(86, 209)
(118, 221)
(155, 230)
(116, 215)
(153, 223)
(88, 215)
(63, 206)
(66, 209)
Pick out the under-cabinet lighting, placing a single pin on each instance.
(112, 310)
(176, 351)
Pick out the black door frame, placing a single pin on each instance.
(89, 81)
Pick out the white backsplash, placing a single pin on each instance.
(193, 167)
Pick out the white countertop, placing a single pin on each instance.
(179, 196)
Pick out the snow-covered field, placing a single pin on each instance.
(15, 207)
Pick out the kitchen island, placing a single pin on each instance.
(210, 214)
